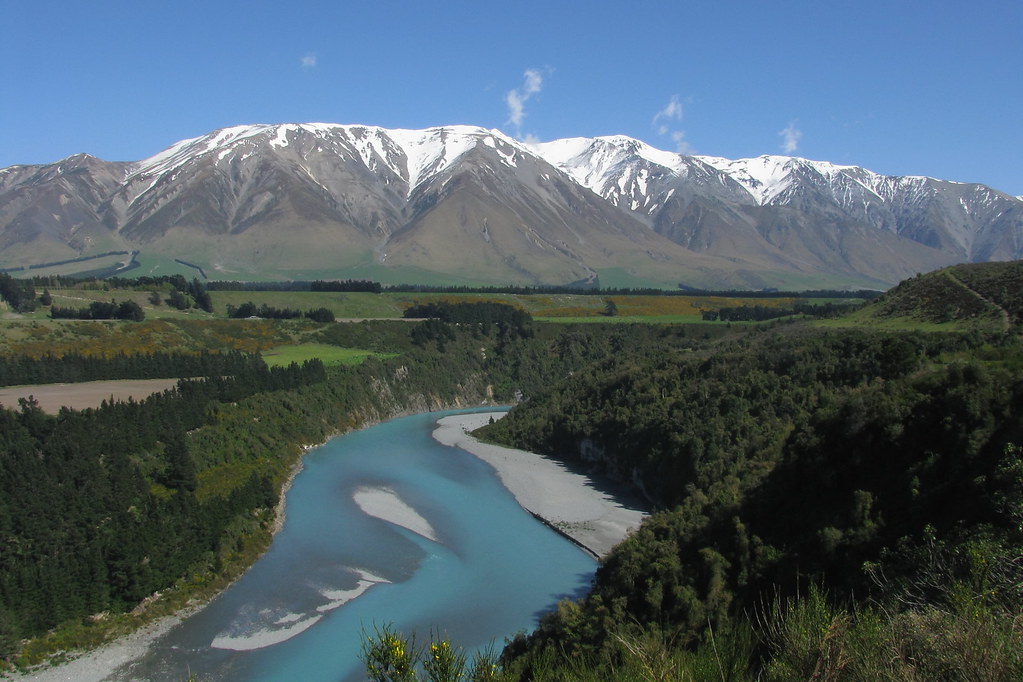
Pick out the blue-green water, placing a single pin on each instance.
(334, 572)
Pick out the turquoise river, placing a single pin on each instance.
(383, 526)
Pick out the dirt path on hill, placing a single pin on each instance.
(1006, 318)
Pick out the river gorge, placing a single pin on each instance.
(383, 526)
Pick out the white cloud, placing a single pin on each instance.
(516, 107)
(516, 99)
(682, 145)
(534, 81)
(672, 111)
(309, 61)
(790, 138)
(664, 119)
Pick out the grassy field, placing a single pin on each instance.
(562, 307)
(388, 305)
(283, 342)
(868, 318)
(166, 328)
(628, 319)
(329, 355)
(344, 305)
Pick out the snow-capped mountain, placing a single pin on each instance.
(466, 204)
(797, 209)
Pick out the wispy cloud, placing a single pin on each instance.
(672, 111)
(682, 145)
(309, 61)
(665, 121)
(516, 99)
(790, 138)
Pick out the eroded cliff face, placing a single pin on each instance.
(597, 458)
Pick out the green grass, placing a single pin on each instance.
(568, 308)
(156, 265)
(630, 319)
(867, 317)
(329, 355)
(344, 305)
(72, 268)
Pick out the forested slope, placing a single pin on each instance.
(835, 505)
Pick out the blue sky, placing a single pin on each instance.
(900, 87)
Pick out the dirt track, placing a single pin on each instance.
(52, 397)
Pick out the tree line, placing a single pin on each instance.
(177, 291)
(18, 370)
(759, 313)
(19, 294)
(347, 285)
(250, 309)
(101, 310)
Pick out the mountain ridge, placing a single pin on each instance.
(467, 204)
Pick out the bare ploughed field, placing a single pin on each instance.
(52, 397)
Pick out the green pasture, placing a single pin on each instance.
(629, 319)
(344, 305)
(281, 356)
(867, 317)
(355, 306)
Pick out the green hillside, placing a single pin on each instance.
(836, 504)
(985, 296)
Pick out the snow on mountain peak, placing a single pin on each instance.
(769, 176)
(586, 158)
(765, 177)
(413, 155)
(608, 166)
(618, 168)
(433, 150)
(625, 171)
(181, 152)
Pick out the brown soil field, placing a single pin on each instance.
(52, 397)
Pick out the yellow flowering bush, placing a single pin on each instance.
(392, 657)
(444, 664)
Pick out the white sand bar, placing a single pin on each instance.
(264, 638)
(581, 507)
(384, 503)
(339, 598)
